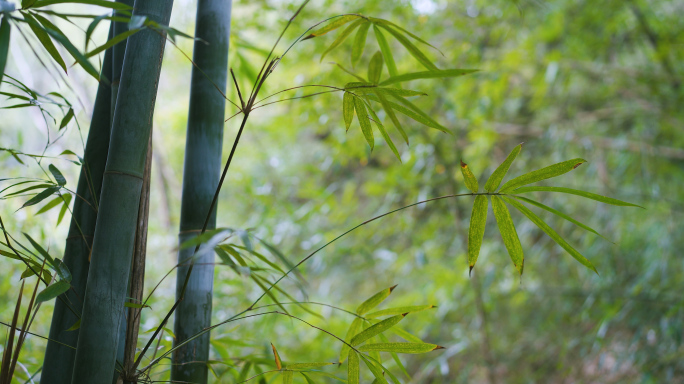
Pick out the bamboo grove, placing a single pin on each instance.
(98, 284)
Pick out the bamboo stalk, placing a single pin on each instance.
(200, 179)
(114, 239)
(59, 358)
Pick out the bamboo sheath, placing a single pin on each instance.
(115, 230)
(201, 173)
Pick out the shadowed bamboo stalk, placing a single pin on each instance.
(59, 359)
(200, 178)
(114, 239)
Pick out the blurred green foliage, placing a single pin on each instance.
(572, 79)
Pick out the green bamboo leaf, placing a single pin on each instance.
(469, 178)
(377, 372)
(552, 234)
(41, 196)
(393, 117)
(412, 49)
(288, 377)
(398, 91)
(331, 26)
(542, 174)
(424, 116)
(405, 335)
(374, 300)
(413, 348)
(62, 270)
(436, 74)
(348, 109)
(359, 43)
(52, 291)
(588, 195)
(353, 368)
(59, 177)
(386, 51)
(67, 118)
(65, 207)
(26, 4)
(375, 68)
(498, 175)
(398, 311)
(99, 3)
(376, 329)
(351, 332)
(76, 326)
(307, 365)
(364, 121)
(343, 36)
(45, 40)
(307, 378)
(558, 213)
(113, 41)
(384, 134)
(478, 219)
(395, 357)
(508, 233)
(40, 249)
(136, 305)
(417, 116)
(361, 79)
(31, 188)
(5, 29)
(382, 21)
(91, 28)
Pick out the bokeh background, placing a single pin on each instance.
(598, 80)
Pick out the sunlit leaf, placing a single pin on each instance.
(343, 36)
(412, 49)
(288, 377)
(377, 372)
(398, 311)
(351, 332)
(469, 178)
(413, 348)
(359, 43)
(558, 213)
(364, 121)
(307, 378)
(307, 365)
(53, 291)
(278, 362)
(374, 300)
(478, 220)
(542, 174)
(65, 207)
(395, 357)
(435, 74)
(387, 107)
(375, 68)
(361, 79)
(405, 335)
(353, 368)
(348, 109)
(552, 234)
(418, 115)
(387, 22)
(331, 26)
(376, 329)
(495, 179)
(386, 51)
(588, 195)
(508, 233)
(384, 134)
(59, 177)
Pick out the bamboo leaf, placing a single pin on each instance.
(31, 188)
(65, 207)
(359, 43)
(364, 121)
(45, 40)
(278, 362)
(331, 26)
(288, 377)
(40, 249)
(74, 327)
(5, 29)
(376, 329)
(398, 311)
(353, 368)
(588, 195)
(374, 300)
(361, 79)
(136, 305)
(552, 234)
(435, 74)
(495, 179)
(478, 220)
(47, 192)
(405, 335)
(113, 41)
(417, 116)
(59, 177)
(386, 51)
(307, 365)
(395, 357)
(99, 3)
(382, 21)
(412, 49)
(377, 372)
(375, 68)
(53, 291)
(67, 118)
(393, 117)
(348, 109)
(343, 36)
(423, 115)
(542, 174)
(384, 134)
(307, 378)
(412, 348)
(508, 233)
(469, 178)
(558, 213)
(62, 270)
(351, 332)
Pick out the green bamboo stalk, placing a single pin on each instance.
(114, 239)
(200, 179)
(59, 359)
(118, 52)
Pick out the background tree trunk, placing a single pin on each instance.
(114, 240)
(200, 178)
